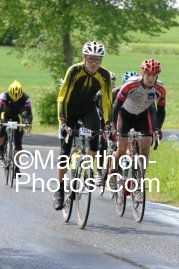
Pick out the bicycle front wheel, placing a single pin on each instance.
(139, 195)
(83, 196)
(8, 163)
(68, 201)
(120, 198)
(11, 165)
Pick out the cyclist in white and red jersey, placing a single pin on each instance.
(132, 105)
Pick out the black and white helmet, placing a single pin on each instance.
(93, 48)
(112, 76)
(61, 80)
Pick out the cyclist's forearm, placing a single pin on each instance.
(116, 108)
(61, 113)
(160, 116)
(153, 115)
(29, 116)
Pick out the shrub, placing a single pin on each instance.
(47, 107)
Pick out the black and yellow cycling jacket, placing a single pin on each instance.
(79, 90)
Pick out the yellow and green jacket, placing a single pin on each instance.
(79, 90)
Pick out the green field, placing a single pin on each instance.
(166, 170)
(35, 80)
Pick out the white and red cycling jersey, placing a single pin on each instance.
(136, 98)
(140, 107)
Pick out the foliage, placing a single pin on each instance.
(47, 107)
(57, 29)
(36, 81)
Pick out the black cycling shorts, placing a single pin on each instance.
(141, 122)
(90, 120)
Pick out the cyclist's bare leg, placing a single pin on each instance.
(121, 150)
(60, 173)
(2, 140)
(1, 146)
(91, 153)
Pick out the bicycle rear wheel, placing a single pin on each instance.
(83, 196)
(101, 188)
(138, 196)
(105, 172)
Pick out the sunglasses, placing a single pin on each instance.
(92, 60)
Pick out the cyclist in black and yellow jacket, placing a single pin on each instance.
(15, 105)
(76, 101)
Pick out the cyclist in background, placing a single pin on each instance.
(132, 105)
(113, 79)
(15, 105)
(128, 75)
(76, 100)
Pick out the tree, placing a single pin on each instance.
(54, 30)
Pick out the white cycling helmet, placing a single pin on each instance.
(61, 80)
(93, 48)
(128, 75)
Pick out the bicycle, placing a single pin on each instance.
(132, 173)
(117, 196)
(79, 190)
(9, 150)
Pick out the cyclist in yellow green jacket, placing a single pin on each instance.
(76, 101)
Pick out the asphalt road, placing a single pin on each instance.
(33, 235)
(52, 140)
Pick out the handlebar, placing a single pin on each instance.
(15, 125)
(82, 131)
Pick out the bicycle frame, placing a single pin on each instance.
(138, 196)
(133, 142)
(9, 153)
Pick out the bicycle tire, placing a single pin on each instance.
(11, 165)
(68, 203)
(101, 188)
(138, 207)
(120, 198)
(83, 197)
(67, 209)
(6, 163)
(105, 172)
(69, 196)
